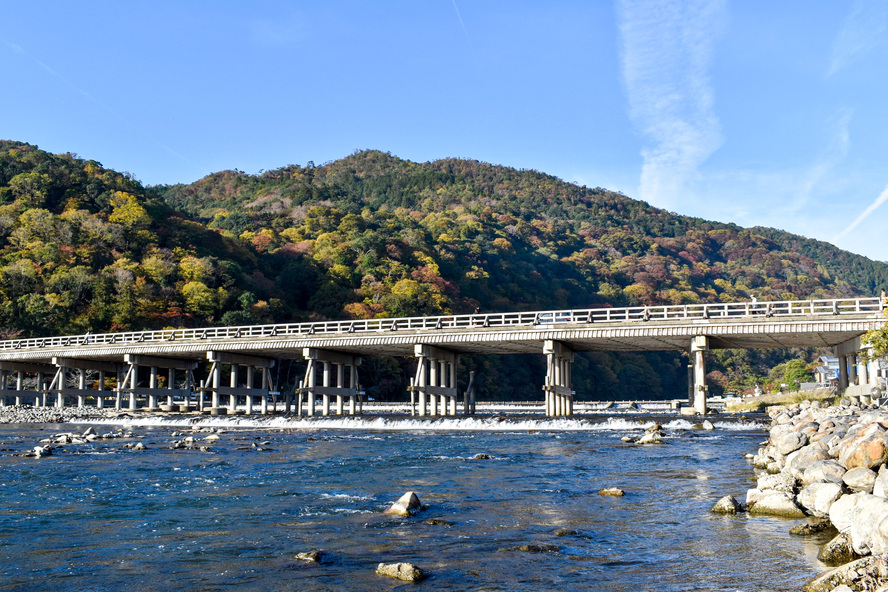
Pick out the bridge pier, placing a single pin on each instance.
(153, 393)
(19, 371)
(558, 392)
(234, 361)
(434, 384)
(339, 378)
(79, 367)
(699, 345)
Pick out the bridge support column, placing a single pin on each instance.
(558, 392)
(843, 372)
(435, 381)
(339, 378)
(862, 374)
(234, 390)
(699, 345)
(851, 360)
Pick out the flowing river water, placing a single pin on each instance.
(102, 517)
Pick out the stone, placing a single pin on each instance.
(778, 482)
(438, 522)
(860, 479)
(406, 572)
(407, 505)
(838, 551)
(825, 471)
(651, 438)
(614, 491)
(790, 442)
(818, 526)
(773, 503)
(138, 446)
(707, 425)
(313, 556)
(799, 461)
(880, 485)
(864, 517)
(867, 448)
(533, 548)
(863, 574)
(481, 456)
(561, 532)
(817, 498)
(726, 505)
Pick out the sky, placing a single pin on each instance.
(754, 112)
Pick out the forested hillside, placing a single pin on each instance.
(86, 248)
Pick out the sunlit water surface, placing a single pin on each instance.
(100, 517)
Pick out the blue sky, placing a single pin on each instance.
(753, 112)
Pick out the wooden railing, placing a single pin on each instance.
(586, 316)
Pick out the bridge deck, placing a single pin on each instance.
(810, 323)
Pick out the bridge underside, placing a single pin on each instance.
(649, 336)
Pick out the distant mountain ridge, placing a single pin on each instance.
(87, 248)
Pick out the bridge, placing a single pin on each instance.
(155, 369)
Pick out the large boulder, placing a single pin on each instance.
(772, 503)
(867, 447)
(838, 551)
(790, 442)
(868, 573)
(880, 485)
(861, 516)
(778, 482)
(818, 497)
(799, 461)
(823, 471)
(860, 479)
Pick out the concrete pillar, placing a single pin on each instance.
(312, 382)
(852, 369)
(119, 385)
(232, 398)
(81, 384)
(353, 383)
(100, 399)
(216, 382)
(422, 372)
(699, 345)
(843, 372)
(340, 382)
(862, 374)
(248, 402)
(325, 398)
(171, 384)
(152, 384)
(134, 383)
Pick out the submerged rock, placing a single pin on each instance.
(407, 505)
(531, 548)
(614, 491)
(438, 522)
(772, 503)
(313, 556)
(406, 572)
(809, 528)
(838, 551)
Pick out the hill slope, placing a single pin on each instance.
(86, 248)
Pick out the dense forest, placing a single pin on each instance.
(84, 248)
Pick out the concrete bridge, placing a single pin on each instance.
(155, 369)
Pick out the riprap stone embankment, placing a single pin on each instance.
(830, 462)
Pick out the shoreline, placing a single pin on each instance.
(827, 465)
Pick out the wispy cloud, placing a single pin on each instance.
(883, 197)
(461, 23)
(71, 86)
(667, 48)
(863, 30)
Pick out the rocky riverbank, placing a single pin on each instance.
(827, 464)
(28, 414)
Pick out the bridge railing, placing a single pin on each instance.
(729, 310)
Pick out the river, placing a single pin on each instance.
(105, 517)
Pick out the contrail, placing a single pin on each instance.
(462, 24)
(19, 50)
(872, 208)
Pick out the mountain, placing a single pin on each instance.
(86, 248)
